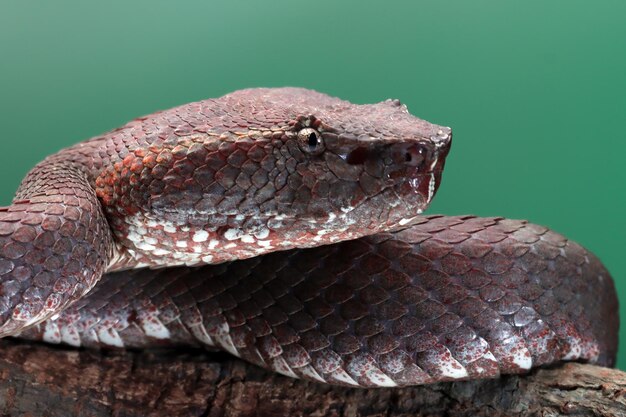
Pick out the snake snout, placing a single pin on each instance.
(442, 141)
(442, 138)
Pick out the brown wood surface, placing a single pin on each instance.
(38, 380)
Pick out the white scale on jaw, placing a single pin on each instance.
(195, 247)
(431, 188)
(186, 246)
(431, 193)
(199, 249)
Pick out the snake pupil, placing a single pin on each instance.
(312, 140)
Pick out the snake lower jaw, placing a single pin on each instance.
(416, 193)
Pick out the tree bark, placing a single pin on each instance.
(39, 380)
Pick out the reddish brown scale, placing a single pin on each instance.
(390, 325)
(266, 170)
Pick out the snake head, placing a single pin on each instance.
(360, 168)
(265, 169)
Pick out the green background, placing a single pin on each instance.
(535, 91)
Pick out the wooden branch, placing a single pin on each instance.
(39, 380)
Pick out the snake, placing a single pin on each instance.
(286, 227)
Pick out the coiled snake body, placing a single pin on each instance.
(354, 286)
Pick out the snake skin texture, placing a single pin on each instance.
(284, 226)
(448, 298)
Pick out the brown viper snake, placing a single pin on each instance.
(290, 225)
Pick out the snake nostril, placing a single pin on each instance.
(414, 155)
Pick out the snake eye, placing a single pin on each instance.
(310, 141)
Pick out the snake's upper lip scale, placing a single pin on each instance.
(428, 192)
(393, 181)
